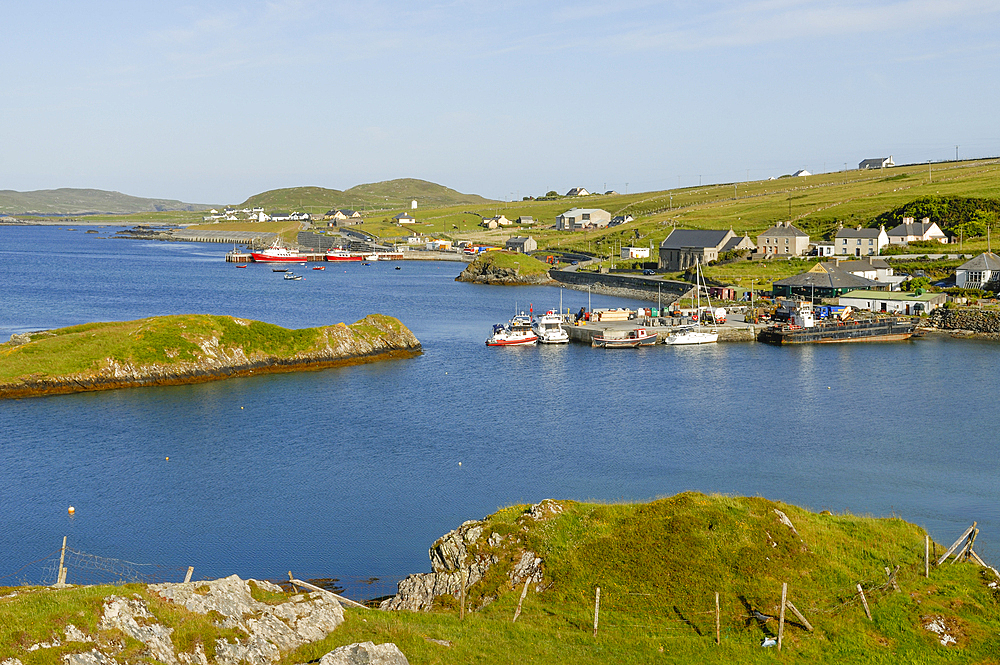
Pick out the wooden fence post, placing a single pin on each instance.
(187, 578)
(927, 556)
(597, 608)
(864, 601)
(524, 592)
(801, 618)
(461, 575)
(781, 615)
(957, 543)
(61, 575)
(718, 632)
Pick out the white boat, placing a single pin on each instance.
(548, 328)
(696, 333)
(630, 340)
(517, 332)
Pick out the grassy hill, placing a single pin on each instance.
(387, 195)
(659, 566)
(67, 201)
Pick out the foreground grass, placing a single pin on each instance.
(659, 566)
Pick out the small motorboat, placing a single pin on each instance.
(397, 267)
(517, 332)
(631, 339)
(549, 328)
(243, 265)
(293, 276)
(279, 269)
(319, 267)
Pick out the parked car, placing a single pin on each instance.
(648, 271)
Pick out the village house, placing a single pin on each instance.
(280, 217)
(521, 244)
(684, 247)
(583, 218)
(578, 191)
(621, 219)
(860, 241)
(525, 220)
(895, 302)
(878, 163)
(980, 272)
(300, 217)
(783, 239)
(495, 222)
(404, 218)
(823, 248)
(343, 217)
(910, 231)
(635, 252)
(823, 280)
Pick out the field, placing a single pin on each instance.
(659, 567)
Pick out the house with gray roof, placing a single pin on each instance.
(521, 244)
(898, 302)
(877, 163)
(578, 191)
(685, 247)
(860, 241)
(783, 239)
(981, 272)
(910, 231)
(824, 280)
(582, 218)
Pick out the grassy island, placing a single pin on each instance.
(187, 348)
(658, 566)
(502, 267)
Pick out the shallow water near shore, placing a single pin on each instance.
(353, 472)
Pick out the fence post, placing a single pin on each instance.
(718, 633)
(187, 578)
(61, 575)
(524, 592)
(927, 556)
(864, 601)
(781, 615)
(461, 574)
(597, 608)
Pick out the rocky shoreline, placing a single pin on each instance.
(385, 338)
(966, 322)
(487, 272)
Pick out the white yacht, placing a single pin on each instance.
(549, 328)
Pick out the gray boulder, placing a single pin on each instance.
(365, 653)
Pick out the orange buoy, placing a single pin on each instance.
(72, 510)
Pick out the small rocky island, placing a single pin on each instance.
(506, 268)
(189, 348)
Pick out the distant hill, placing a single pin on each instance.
(68, 201)
(387, 195)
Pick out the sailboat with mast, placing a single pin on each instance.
(695, 333)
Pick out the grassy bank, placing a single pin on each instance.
(658, 566)
(172, 341)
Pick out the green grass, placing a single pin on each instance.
(658, 566)
(165, 340)
(525, 265)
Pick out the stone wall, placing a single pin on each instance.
(623, 286)
(968, 319)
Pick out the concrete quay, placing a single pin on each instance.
(584, 333)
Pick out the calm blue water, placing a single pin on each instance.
(354, 472)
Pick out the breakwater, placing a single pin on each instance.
(968, 321)
(623, 286)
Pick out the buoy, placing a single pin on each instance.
(72, 510)
(168, 459)
(460, 464)
(241, 408)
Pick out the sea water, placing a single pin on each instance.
(353, 472)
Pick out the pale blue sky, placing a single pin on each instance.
(215, 101)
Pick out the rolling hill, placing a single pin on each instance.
(386, 195)
(70, 201)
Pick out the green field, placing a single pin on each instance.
(659, 566)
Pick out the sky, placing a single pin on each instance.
(216, 101)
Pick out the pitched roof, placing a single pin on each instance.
(867, 262)
(783, 230)
(985, 261)
(829, 276)
(738, 242)
(859, 233)
(912, 229)
(681, 238)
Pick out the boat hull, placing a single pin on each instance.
(260, 257)
(330, 257)
(878, 330)
(692, 339)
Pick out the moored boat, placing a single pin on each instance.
(687, 335)
(517, 332)
(292, 276)
(548, 328)
(804, 329)
(631, 339)
(277, 253)
(343, 255)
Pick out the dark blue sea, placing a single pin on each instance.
(352, 473)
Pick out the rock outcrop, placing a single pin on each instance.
(967, 320)
(365, 653)
(485, 270)
(373, 338)
(471, 550)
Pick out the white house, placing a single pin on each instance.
(860, 241)
(404, 218)
(824, 248)
(896, 302)
(910, 231)
(981, 272)
(801, 174)
(877, 163)
(635, 252)
(494, 222)
(583, 218)
(280, 217)
(578, 191)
